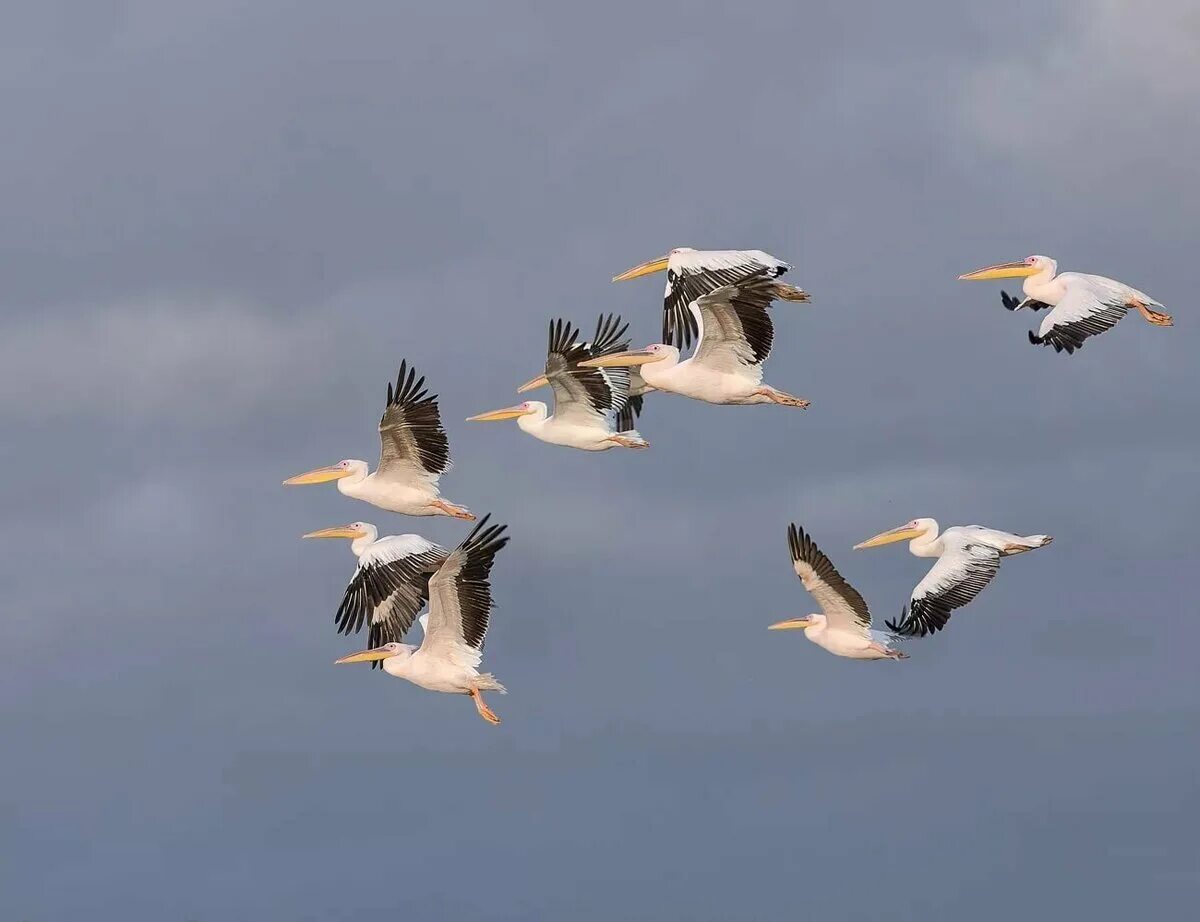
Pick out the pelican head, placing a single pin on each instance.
(906, 532)
(655, 352)
(387, 651)
(797, 624)
(1030, 265)
(654, 265)
(348, 468)
(528, 408)
(354, 531)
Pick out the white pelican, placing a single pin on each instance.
(1084, 305)
(413, 454)
(735, 339)
(968, 558)
(692, 273)
(845, 627)
(584, 398)
(637, 387)
(390, 584)
(460, 604)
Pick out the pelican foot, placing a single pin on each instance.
(481, 706)
(1158, 318)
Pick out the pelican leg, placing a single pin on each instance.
(1158, 318)
(458, 512)
(779, 397)
(481, 706)
(626, 442)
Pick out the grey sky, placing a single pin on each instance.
(224, 228)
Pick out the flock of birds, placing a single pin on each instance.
(720, 300)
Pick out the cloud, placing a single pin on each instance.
(199, 359)
(1095, 96)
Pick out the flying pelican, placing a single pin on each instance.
(390, 584)
(968, 558)
(735, 339)
(845, 627)
(1084, 305)
(637, 389)
(692, 273)
(460, 604)
(583, 397)
(413, 454)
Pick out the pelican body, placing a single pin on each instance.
(460, 605)
(844, 626)
(735, 337)
(1083, 305)
(585, 399)
(414, 453)
(968, 559)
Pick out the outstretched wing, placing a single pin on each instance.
(844, 608)
(389, 587)
(412, 441)
(960, 574)
(586, 395)
(694, 273)
(460, 598)
(735, 327)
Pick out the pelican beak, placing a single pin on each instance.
(320, 475)
(655, 265)
(1015, 270)
(506, 413)
(364, 656)
(337, 531)
(903, 533)
(621, 360)
(533, 384)
(792, 624)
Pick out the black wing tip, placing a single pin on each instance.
(409, 389)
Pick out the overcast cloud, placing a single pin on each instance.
(224, 226)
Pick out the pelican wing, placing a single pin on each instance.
(694, 273)
(628, 415)
(586, 395)
(735, 328)
(844, 608)
(389, 587)
(460, 598)
(1092, 305)
(966, 566)
(413, 443)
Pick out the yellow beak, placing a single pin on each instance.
(506, 413)
(533, 384)
(320, 475)
(792, 624)
(365, 656)
(337, 531)
(621, 360)
(903, 533)
(1015, 270)
(655, 265)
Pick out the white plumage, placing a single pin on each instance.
(968, 558)
(844, 627)
(1082, 305)
(413, 454)
(460, 606)
(735, 338)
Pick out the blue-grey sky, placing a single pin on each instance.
(225, 224)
